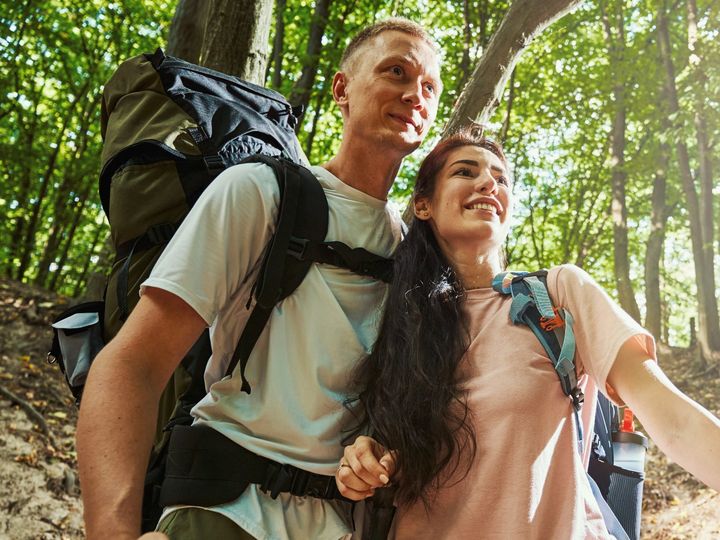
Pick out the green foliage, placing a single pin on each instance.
(55, 56)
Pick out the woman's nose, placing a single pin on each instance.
(486, 183)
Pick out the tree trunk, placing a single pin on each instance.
(615, 38)
(236, 38)
(656, 240)
(300, 94)
(707, 303)
(278, 45)
(699, 78)
(524, 20)
(187, 29)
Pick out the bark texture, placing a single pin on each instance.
(236, 38)
(188, 29)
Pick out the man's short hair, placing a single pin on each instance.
(399, 24)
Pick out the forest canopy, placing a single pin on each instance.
(610, 119)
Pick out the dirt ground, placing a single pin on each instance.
(39, 493)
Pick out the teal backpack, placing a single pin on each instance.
(617, 490)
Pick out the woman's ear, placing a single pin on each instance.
(422, 209)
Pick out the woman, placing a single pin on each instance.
(483, 439)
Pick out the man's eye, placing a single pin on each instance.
(502, 180)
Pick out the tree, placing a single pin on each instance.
(236, 37)
(523, 22)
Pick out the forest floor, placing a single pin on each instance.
(39, 491)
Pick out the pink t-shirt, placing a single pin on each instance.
(527, 480)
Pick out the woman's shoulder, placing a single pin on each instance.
(570, 279)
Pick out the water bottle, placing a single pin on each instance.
(629, 446)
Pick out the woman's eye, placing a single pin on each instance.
(430, 88)
(463, 172)
(502, 180)
(396, 70)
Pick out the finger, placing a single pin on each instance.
(388, 462)
(361, 457)
(353, 494)
(347, 476)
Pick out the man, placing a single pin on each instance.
(387, 91)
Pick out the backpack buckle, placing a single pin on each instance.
(549, 324)
(297, 247)
(578, 398)
(161, 233)
(213, 162)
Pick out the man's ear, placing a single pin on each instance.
(339, 88)
(421, 209)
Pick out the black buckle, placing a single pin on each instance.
(213, 162)
(161, 233)
(297, 247)
(578, 398)
(307, 484)
(278, 479)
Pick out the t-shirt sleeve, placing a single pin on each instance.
(601, 326)
(221, 240)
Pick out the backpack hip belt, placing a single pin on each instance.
(205, 468)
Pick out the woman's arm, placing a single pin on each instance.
(683, 429)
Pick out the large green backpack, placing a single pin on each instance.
(169, 129)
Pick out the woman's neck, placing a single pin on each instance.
(475, 270)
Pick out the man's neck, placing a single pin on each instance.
(370, 172)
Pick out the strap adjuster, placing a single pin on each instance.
(297, 247)
(161, 233)
(213, 162)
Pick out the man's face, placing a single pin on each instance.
(390, 91)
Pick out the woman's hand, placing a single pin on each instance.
(365, 466)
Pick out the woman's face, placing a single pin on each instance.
(471, 206)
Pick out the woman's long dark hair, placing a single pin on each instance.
(412, 402)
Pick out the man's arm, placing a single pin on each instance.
(684, 430)
(119, 410)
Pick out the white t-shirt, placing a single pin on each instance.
(300, 365)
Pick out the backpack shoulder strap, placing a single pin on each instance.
(532, 306)
(303, 211)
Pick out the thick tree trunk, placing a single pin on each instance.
(188, 29)
(524, 20)
(236, 38)
(707, 303)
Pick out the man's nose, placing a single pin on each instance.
(413, 95)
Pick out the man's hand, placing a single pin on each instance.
(366, 465)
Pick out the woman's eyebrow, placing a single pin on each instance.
(473, 163)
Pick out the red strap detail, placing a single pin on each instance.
(550, 324)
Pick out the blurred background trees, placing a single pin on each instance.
(610, 118)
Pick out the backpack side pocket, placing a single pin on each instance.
(78, 338)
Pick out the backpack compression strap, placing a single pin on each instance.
(297, 243)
